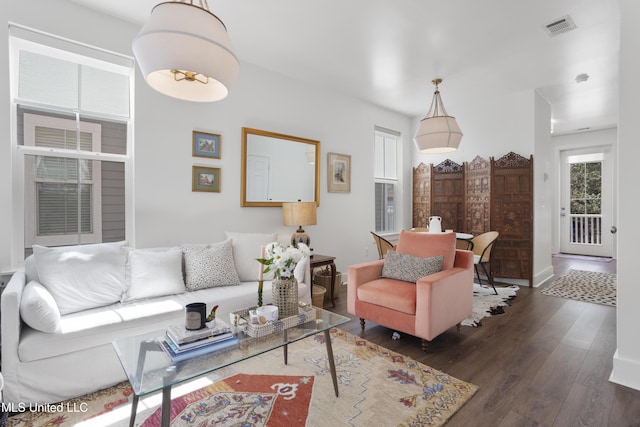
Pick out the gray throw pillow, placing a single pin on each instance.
(210, 266)
(409, 268)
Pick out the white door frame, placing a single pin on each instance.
(607, 247)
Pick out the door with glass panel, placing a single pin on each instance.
(586, 208)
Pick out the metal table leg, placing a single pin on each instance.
(332, 362)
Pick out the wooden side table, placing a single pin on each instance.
(322, 260)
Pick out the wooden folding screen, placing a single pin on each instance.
(447, 194)
(477, 196)
(421, 195)
(512, 216)
(480, 196)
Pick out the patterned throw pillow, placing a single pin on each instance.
(409, 268)
(210, 266)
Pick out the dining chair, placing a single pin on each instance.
(383, 245)
(482, 245)
(420, 229)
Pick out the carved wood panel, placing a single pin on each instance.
(512, 216)
(477, 196)
(421, 195)
(447, 194)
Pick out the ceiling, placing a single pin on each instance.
(387, 52)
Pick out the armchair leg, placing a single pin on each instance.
(362, 323)
(425, 344)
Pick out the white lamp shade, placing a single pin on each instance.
(439, 134)
(180, 36)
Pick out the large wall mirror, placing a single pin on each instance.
(278, 168)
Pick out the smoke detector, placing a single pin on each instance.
(560, 25)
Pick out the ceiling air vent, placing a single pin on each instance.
(560, 25)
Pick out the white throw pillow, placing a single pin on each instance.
(246, 248)
(83, 276)
(210, 266)
(38, 309)
(153, 273)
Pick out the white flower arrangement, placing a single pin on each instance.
(283, 260)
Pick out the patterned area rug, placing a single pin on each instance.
(377, 387)
(587, 286)
(487, 303)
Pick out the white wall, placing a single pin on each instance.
(543, 192)
(167, 212)
(626, 361)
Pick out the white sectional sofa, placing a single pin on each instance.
(60, 316)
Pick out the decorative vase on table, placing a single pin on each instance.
(285, 296)
(282, 260)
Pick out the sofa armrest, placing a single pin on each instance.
(11, 325)
(359, 274)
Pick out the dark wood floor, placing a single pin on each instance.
(545, 362)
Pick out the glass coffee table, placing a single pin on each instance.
(151, 370)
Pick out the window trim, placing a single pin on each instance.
(31, 121)
(395, 181)
(21, 38)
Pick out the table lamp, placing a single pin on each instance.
(299, 213)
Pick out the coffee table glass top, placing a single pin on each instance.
(150, 369)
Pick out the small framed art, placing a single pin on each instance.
(206, 145)
(339, 173)
(206, 179)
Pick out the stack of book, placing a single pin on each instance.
(181, 344)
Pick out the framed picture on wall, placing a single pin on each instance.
(205, 179)
(206, 145)
(338, 173)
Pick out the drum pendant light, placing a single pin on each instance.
(438, 132)
(184, 51)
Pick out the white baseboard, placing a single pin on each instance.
(543, 277)
(625, 372)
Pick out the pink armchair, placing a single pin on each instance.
(423, 309)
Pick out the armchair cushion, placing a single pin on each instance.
(390, 293)
(409, 268)
(427, 245)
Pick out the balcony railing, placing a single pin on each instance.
(586, 229)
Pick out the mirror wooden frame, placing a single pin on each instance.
(246, 132)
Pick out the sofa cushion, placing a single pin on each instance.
(38, 309)
(409, 268)
(246, 248)
(210, 266)
(83, 276)
(152, 273)
(102, 325)
(429, 244)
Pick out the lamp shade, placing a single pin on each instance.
(184, 51)
(299, 213)
(440, 134)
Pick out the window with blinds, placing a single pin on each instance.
(73, 114)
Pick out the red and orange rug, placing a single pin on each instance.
(376, 385)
